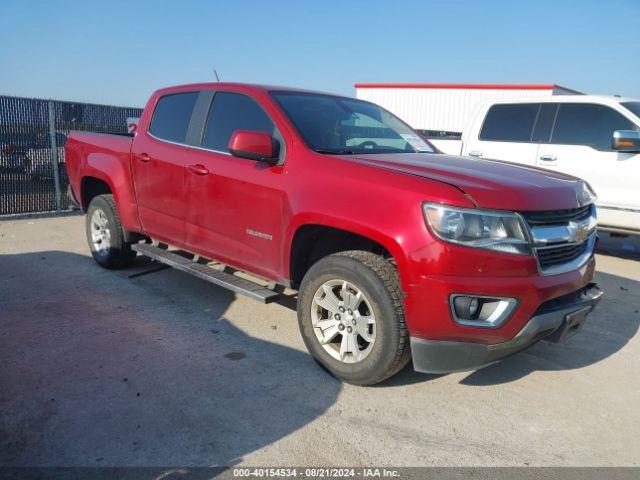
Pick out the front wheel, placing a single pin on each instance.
(105, 235)
(351, 316)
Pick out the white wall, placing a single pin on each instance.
(448, 109)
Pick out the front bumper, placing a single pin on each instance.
(555, 320)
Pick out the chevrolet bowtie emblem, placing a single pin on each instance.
(578, 231)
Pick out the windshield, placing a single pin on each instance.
(633, 107)
(345, 126)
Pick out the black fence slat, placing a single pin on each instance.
(27, 177)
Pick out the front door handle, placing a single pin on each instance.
(475, 153)
(548, 158)
(144, 158)
(198, 169)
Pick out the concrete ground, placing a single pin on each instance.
(98, 368)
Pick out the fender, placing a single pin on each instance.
(393, 217)
(391, 243)
(111, 169)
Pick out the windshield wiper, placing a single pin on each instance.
(335, 152)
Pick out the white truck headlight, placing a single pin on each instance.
(492, 230)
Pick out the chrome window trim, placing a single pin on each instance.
(186, 145)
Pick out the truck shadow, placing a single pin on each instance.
(99, 369)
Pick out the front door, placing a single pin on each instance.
(235, 205)
(158, 160)
(580, 145)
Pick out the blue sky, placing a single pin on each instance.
(119, 52)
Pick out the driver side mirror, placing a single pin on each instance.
(257, 146)
(626, 141)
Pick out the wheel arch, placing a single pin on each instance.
(312, 240)
(92, 186)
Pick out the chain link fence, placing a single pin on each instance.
(33, 133)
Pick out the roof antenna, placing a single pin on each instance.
(216, 73)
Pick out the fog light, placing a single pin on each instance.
(481, 311)
(466, 307)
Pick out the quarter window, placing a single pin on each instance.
(588, 124)
(510, 123)
(172, 115)
(230, 112)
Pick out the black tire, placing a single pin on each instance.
(117, 252)
(378, 280)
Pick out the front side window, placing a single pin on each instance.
(510, 123)
(588, 124)
(344, 126)
(633, 107)
(172, 115)
(230, 112)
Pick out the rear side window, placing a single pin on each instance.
(230, 112)
(510, 123)
(172, 115)
(588, 124)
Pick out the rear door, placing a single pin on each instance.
(158, 167)
(506, 134)
(235, 204)
(580, 145)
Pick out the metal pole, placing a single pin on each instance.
(54, 153)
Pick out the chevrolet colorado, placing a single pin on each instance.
(396, 252)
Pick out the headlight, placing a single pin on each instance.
(499, 231)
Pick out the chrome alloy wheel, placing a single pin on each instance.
(343, 321)
(100, 233)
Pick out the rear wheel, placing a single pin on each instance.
(105, 235)
(351, 316)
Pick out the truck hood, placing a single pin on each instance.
(490, 183)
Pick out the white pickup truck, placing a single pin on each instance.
(596, 138)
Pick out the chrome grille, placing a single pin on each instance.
(557, 217)
(559, 254)
(563, 240)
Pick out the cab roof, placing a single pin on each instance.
(603, 99)
(241, 86)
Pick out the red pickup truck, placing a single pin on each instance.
(396, 251)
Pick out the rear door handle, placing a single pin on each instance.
(548, 158)
(144, 158)
(475, 153)
(198, 169)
